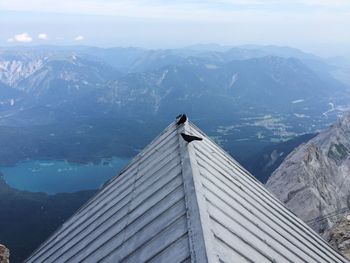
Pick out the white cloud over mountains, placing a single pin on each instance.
(21, 38)
(27, 38)
(42, 36)
(79, 38)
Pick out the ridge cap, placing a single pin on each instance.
(198, 221)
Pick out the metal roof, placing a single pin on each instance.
(184, 202)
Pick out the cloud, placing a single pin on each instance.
(21, 38)
(42, 36)
(79, 38)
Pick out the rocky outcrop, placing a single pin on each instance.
(314, 180)
(4, 254)
(338, 236)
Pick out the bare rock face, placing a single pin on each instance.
(314, 180)
(338, 236)
(4, 254)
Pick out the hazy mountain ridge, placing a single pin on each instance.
(250, 82)
(261, 96)
(313, 180)
(32, 75)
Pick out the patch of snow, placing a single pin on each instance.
(211, 66)
(297, 101)
(301, 115)
(233, 80)
(160, 80)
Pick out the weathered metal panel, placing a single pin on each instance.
(138, 215)
(177, 252)
(247, 221)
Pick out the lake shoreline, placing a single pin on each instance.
(61, 176)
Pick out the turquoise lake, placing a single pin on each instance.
(57, 176)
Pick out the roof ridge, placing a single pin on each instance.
(200, 234)
(222, 212)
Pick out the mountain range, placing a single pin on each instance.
(265, 94)
(139, 83)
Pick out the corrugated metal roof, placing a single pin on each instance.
(184, 202)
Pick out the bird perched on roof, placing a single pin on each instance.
(182, 118)
(189, 138)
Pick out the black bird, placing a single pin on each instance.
(190, 138)
(182, 118)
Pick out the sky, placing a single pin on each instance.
(318, 26)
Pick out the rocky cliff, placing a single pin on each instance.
(339, 236)
(314, 180)
(4, 254)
